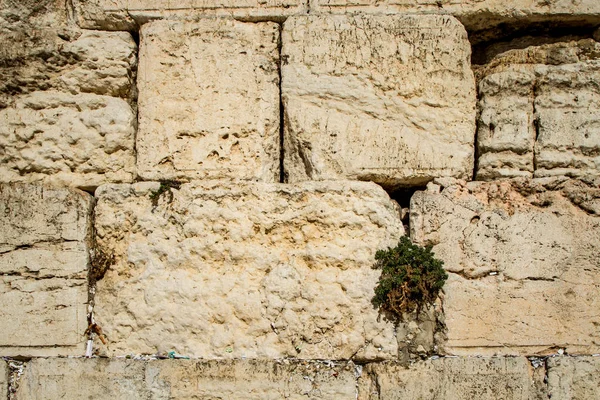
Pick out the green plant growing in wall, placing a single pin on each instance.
(411, 277)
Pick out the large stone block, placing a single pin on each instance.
(65, 114)
(523, 264)
(493, 16)
(386, 98)
(43, 270)
(576, 378)
(209, 100)
(538, 112)
(179, 379)
(450, 378)
(128, 14)
(218, 270)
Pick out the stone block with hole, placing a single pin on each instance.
(234, 270)
(523, 265)
(44, 262)
(384, 98)
(209, 100)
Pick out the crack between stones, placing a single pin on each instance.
(282, 174)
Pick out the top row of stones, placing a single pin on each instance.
(475, 14)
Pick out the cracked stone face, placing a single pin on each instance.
(523, 264)
(229, 270)
(43, 270)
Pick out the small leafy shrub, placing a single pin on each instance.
(411, 277)
(165, 187)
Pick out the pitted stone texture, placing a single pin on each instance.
(209, 100)
(128, 14)
(576, 378)
(218, 270)
(182, 379)
(80, 140)
(43, 270)
(449, 378)
(389, 99)
(476, 15)
(3, 379)
(65, 116)
(538, 112)
(522, 257)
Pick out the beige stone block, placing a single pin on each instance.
(477, 15)
(522, 258)
(384, 98)
(506, 132)
(43, 270)
(80, 140)
(209, 100)
(449, 378)
(218, 270)
(575, 378)
(128, 14)
(183, 379)
(569, 124)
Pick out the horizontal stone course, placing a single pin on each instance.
(44, 261)
(220, 270)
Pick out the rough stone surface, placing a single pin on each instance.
(450, 378)
(3, 379)
(65, 113)
(225, 124)
(523, 264)
(257, 270)
(128, 14)
(182, 379)
(485, 19)
(539, 112)
(576, 378)
(384, 98)
(43, 270)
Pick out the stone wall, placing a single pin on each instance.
(192, 194)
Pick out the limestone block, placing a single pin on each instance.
(506, 132)
(477, 15)
(389, 99)
(538, 112)
(128, 14)
(181, 379)
(575, 378)
(569, 123)
(43, 270)
(523, 264)
(449, 378)
(65, 116)
(81, 140)
(217, 270)
(209, 100)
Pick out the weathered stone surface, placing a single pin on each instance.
(476, 15)
(128, 14)
(522, 257)
(219, 270)
(43, 270)
(82, 140)
(538, 112)
(180, 379)
(224, 124)
(384, 98)
(3, 379)
(575, 378)
(65, 115)
(449, 378)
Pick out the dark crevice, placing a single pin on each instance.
(282, 177)
(403, 196)
(519, 36)
(16, 367)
